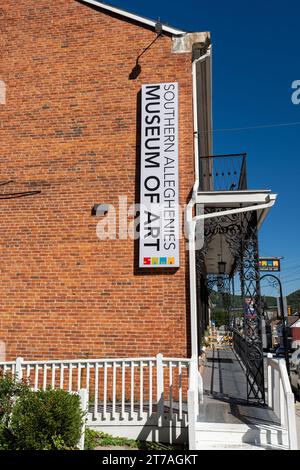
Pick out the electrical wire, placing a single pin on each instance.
(17, 195)
(6, 182)
(292, 280)
(263, 126)
(5, 196)
(290, 274)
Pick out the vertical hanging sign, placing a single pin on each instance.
(159, 211)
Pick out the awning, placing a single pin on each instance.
(229, 203)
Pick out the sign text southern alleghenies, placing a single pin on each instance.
(159, 211)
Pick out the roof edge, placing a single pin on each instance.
(133, 16)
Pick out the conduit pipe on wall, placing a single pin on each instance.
(191, 227)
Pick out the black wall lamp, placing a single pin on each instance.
(137, 68)
(222, 267)
(221, 263)
(100, 209)
(158, 26)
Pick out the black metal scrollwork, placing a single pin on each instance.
(240, 233)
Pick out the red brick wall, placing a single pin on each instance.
(295, 333)
(69, 129)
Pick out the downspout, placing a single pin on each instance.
(191, 224)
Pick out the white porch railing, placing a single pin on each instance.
(84, 403)
(281, 398)
(127, 389)
(195, 400)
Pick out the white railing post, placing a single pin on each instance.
(270, 383)
(194, 373)
(96, 390)
(180, 389)
(281, 398)
(84, 400)
(200, 389)
(282, 403)
(123, 390)
(193, 402)
(276, 396)
(19, 371)
(191, 419)
(292, 426)
(160, 389)
(289, 405)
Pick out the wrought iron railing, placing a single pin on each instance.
(239, 344)
(223, 172)
(250, 355)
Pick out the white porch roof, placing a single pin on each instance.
(236, 199)
(218, 248)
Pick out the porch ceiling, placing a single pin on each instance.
(213, 255)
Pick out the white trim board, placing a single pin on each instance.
(133, 16)
(239, 201)
(234, 198)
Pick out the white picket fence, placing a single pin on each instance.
(157, 398)
(281, 398)
(124, 391)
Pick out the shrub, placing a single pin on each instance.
(10, 390)
(46, 420)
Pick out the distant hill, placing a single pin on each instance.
(237, 301)
(294, 300)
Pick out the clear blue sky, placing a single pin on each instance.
(256, 57)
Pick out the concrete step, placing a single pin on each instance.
(223, 435)
(224, 446)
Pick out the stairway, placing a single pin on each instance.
(256, 436)
(226, 420)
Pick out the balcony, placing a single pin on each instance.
(229, 208)
(223, 172)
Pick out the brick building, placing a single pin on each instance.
(70, 139)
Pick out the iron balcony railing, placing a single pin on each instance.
(223, 172)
